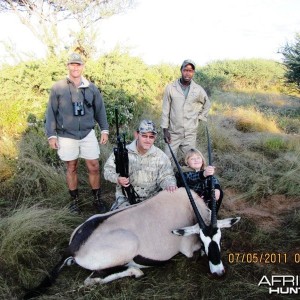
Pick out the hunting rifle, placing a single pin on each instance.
(122, 164)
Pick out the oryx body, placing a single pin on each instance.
(140, 236)
(123, 241)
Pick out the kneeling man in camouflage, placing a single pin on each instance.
(149, 170)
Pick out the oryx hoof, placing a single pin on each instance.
(70, 261)
(136, 272)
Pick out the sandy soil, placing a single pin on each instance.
(266, 212)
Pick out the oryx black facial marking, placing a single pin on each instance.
(233, 221)
(209, 231)
(214, 255)
(180, 231)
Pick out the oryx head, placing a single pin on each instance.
(209, 235)
(211, 238)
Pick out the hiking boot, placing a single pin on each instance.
(98, 204)
(74, 206)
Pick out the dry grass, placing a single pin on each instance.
(8, 146)
(255, 155)
(24, 235)
(6, 169)
(250, 120)
(8, 157)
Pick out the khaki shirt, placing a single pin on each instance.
(181, 115)
(148, 173)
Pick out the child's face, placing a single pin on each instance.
(195, 161)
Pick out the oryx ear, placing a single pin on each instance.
(227, 223)
(186, 231)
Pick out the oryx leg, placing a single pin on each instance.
(130, 271)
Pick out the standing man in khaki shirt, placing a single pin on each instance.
(184, 104)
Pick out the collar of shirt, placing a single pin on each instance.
(83, 82)
(185, 88)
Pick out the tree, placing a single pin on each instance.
(291, 53)
(42, 17)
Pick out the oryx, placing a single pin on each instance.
(142, 235)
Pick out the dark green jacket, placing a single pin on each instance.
(197, 182)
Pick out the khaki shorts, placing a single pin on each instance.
(70, 149)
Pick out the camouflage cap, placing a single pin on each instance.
(75, 58)
(188, 62)
(147, 126)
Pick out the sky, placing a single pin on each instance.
(170, 31)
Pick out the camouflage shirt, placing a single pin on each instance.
(148, 173)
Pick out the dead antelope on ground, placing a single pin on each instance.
(147, 234)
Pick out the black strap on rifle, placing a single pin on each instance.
(122, 164)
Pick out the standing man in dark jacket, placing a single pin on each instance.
(75, 104)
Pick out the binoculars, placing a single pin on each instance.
(78, 109)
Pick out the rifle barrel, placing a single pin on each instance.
(117, 121)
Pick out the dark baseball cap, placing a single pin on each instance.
(188, 62)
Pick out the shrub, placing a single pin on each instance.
(251, 120)
(246, 74)
(126, 82)
(275, 144)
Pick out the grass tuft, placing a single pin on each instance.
(24, 236)
(251, 120)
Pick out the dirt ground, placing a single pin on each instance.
(266, 213)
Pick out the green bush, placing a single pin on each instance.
(246, 74)
(125, 81)
(25, 91)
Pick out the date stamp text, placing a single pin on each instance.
(263, 257)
